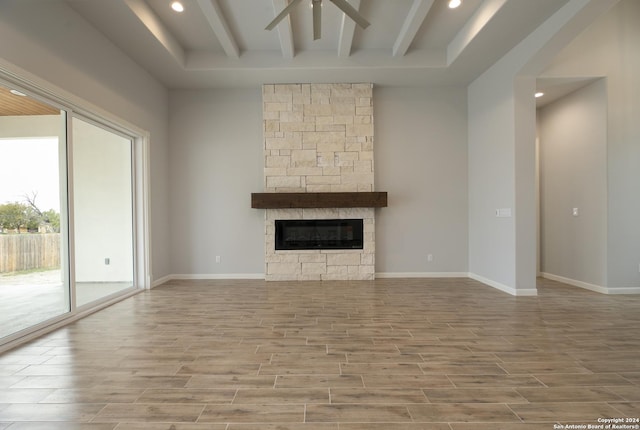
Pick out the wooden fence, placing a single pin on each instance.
(20, 252)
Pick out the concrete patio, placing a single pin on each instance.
(31, 298)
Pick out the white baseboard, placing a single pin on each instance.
(591, 287)
(575, 283)
(391, 275)
(161, 281)
(221, 276)
(504, 288)
(383, 275)
(630, 290)
(206, 276)
(380, 275)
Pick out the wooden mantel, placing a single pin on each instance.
(318, 200)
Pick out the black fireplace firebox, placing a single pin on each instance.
(319, 234)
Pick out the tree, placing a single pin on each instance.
(32, 219)
(16, 215)
(38, 217)
(30, 200)
(13, 216)
(52, 218)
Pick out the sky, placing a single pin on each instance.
(28, 166)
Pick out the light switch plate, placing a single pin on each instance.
(503, 213)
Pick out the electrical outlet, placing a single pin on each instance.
(217, 258)
(107, 261)
(429, 258)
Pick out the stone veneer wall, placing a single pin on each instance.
(318, 138)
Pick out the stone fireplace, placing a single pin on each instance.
(318, 138)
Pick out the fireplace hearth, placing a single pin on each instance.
(319, 234)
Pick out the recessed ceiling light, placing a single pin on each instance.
(454, 3)
(17, 93)
(177, 6)
(539, 94)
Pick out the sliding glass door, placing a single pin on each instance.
(72, 192)
(102, 212)
(34, 281)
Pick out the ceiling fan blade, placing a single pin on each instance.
(317, 19)
(286, 11)
(352, 13)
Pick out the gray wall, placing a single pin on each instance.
(52, 42)
(216, 162)
(573, 174)
(421, 161)
(609, 48)
(502, 128)
(491, 181)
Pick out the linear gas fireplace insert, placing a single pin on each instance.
(319, 234)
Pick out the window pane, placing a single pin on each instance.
(103, 221)
(33, 278)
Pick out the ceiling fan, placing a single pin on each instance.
(345, 7)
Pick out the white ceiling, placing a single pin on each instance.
(224, 42)
(556, 88)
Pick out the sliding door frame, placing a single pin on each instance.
(75, 107)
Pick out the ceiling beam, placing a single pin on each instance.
(217, 22)
(347, 30)
(155, 26)
(415, 18)
(478, 21)
(285, 34)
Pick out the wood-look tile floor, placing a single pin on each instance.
(434, 354)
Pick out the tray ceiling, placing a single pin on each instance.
(224, 42)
